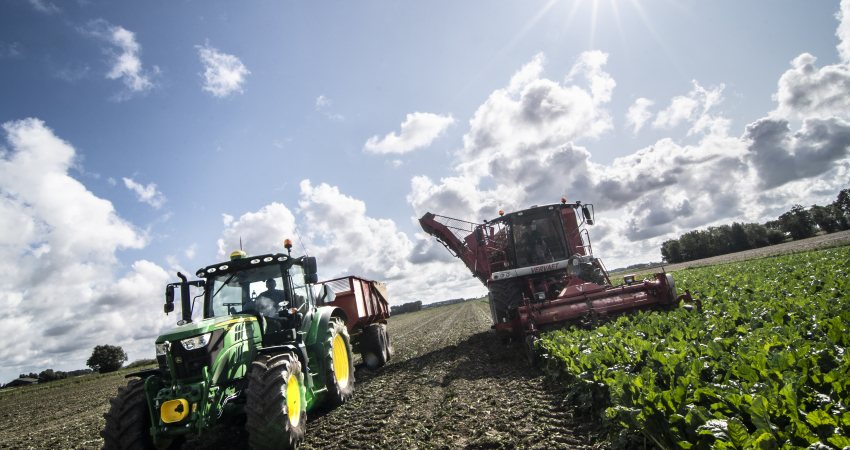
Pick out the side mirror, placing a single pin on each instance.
(588, 216)
(310, 270)
(326, 295)
(169, 299)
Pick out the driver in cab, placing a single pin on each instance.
(272, 300)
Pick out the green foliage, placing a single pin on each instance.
(107, 358)
(764, 365)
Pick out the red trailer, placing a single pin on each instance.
(366, 312)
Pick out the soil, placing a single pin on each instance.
(451, 384)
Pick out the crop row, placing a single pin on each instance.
(764, 365)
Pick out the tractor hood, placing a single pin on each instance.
(204, 326)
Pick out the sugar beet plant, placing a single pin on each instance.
(763, 366)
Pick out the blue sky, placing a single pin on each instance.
(141, 138)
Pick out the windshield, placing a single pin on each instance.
(538, 237)
(258, 290)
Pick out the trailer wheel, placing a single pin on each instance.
(374, 347)
(276, 405)
(339, 363)
(128, 421)
(389, 342)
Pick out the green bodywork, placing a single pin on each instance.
(212, 378)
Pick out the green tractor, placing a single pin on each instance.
(262, 348)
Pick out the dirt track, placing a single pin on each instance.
(451, 384)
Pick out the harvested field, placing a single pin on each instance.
(803, 245)
(451, 384)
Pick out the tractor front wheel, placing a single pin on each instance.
(339, 363)
(276, 402)
(128, 421)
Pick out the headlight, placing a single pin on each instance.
(162, 349)
(194, 343)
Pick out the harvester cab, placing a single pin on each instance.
(263, 345)
(539, 268)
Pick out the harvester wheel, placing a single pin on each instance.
(339, 363)
(276, 404)
(128, 421)
(505, 295)
(374, 346)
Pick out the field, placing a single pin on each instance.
(762, 366)
(450, 385)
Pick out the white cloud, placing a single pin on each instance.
(521, 150)
(146, 194)
(59, 286)
(262, 231)
(639, 113)
(224, 74)
(324, 105)
(10, 50)
(843, 31)
(126, 64)
(806, 91)
(338, 230)
(44, 6)
(417, 131)
(694, 109)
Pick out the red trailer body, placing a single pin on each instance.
(366, 312)
(364, 301)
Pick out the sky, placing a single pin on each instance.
(138, 139)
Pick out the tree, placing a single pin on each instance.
(825, 218)
(107, 358)
(797, 222)
(671, 251)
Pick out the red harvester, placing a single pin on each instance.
(540, 271)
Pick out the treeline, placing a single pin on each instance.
(406, 308)
(798, 223)
(48, 375)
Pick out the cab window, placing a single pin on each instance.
(300, 291)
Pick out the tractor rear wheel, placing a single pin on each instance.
(276, 405)
(128, 421)
(374, 346)
(339, 363)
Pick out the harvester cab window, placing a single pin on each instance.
(539, 238)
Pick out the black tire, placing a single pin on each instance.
(388, 342)
(374, 348)
(270, 423)
(339, 363)
(505, 296)
(128, 421)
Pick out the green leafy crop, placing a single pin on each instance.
(763, 366)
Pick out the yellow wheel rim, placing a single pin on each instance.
(293, 400)
(340, 357)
